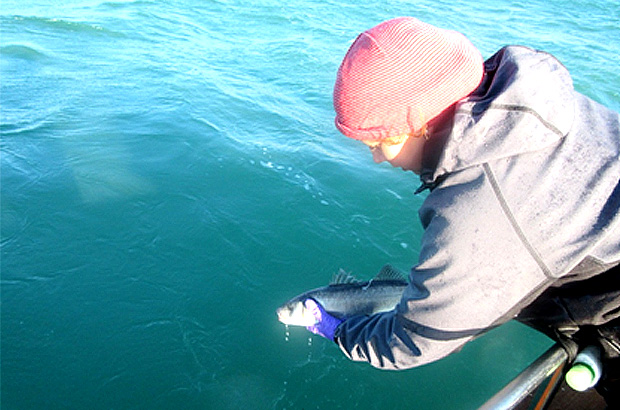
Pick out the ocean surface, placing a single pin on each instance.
(171, 174)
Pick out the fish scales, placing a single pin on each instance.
(365, 298)
(347, 297)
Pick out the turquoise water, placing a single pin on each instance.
(171, 174)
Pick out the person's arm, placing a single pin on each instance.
(473, 270)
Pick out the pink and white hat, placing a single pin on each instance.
(401, 74)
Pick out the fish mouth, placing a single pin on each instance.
(281, 315)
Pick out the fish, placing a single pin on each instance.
(346, 296)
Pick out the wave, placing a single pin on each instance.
(124, 4)
(58, 25)
(23, 52)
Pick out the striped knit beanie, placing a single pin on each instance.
(401, 74)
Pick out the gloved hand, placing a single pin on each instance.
(325, 324)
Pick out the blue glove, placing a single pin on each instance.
(325, 324)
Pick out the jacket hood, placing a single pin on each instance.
(524, 103)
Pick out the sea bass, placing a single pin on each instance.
(346, 296)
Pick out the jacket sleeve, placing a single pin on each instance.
(473, 270)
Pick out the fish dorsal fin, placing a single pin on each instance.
(343, 278)
(388, 272)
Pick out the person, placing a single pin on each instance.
(522, 216)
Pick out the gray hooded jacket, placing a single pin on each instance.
(526, 193)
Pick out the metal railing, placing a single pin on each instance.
(549, 365)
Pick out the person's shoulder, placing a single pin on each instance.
(525, 57)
